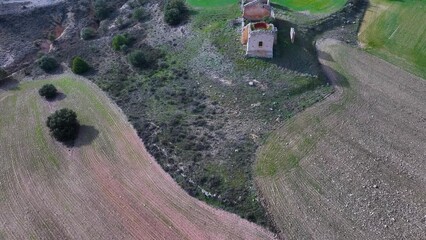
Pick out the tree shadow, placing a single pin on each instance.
(299, 56)
(59, 97)
(9, 84)
(86, 135)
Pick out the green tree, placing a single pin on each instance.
(47, 63)
(63, 125)
(119, 42)
(48, 91)
(79, 66)
(102, 9)
(88, 33)
(138, 14)
(147, 58)
(175, 12)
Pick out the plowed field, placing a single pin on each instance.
(104, 187)
(352, 166)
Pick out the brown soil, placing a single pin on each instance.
(358, 158)
(105, 187)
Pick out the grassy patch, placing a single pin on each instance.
(394, 30)
(312, 6)
(211, 3)
(39, 135)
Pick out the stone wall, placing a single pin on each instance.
(266, 38)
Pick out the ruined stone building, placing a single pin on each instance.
(256, 10)
(258, 36)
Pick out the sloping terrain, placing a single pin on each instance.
(353, 166)
(396, 31)
(104, 187)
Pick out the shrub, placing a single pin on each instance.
(48, 91)
(137, 3)
(138, 14)
(102, 10)
(87, 33)
(175, 12)
(137, 58)
(48, 64)
(3, 74)
(63, 125)
(142, 59)
(119, 42)
(79, 66)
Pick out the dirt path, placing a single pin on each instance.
(352, 166)
(105, 187)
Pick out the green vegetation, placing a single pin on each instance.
(312, 6)
(47, 63)
(88, 33)
(3, 74)
(63, 125)
(102, 10)
(79, 66)
(209, 4)
(395, 31)
(139, 14)
(141, 59)
(120, 42)
(175, 12)
(181, 107)
(48, 91)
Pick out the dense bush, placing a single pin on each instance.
(3, 73)
(119, 42)
(47, 63)
(63, 125)
(138, 14)
(87, 33)
(48, 91)
(102, 9)
(146, 58)
(79, 66)
(175, 12)
(137, 3)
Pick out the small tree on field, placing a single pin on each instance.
(47, 63)
(79, 66)
(175, 12)
(119, 42)
(87, 33)
(63, 125)
(48, 91)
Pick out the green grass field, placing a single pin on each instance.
(396, 31)
(210, 3)
(312, 6)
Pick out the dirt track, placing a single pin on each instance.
(105, 187)
(357, 167)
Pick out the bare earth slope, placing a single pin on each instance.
(105, 187)
(353, 166)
